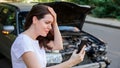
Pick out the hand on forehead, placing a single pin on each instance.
(51, 11)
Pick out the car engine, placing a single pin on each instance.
(95, 49)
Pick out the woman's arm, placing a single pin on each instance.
(31, 60)
(75, 59)
(57, 44)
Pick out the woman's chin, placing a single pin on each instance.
(44, 35)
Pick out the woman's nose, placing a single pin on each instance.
(49, 27)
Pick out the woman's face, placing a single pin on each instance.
(44, 25)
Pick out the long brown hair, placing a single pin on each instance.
(39, 11)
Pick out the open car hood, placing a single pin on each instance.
(70, 14)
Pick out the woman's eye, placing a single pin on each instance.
(47, 22)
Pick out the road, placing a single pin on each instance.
(111, 36)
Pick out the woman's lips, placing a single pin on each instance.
(47, 31)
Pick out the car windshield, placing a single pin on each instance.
(21, 18)
(7, 15)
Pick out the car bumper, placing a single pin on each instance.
(93, 65)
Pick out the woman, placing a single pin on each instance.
(41, 32)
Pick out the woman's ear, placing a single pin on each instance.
(34, 19)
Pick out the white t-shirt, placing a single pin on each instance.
(22, 44)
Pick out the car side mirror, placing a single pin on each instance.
(7, 29)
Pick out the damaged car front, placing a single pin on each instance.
(71, 19)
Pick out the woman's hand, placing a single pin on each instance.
(53, 14)
(77, 58)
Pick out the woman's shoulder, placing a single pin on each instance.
(22, 42)
(21, 45)
(22, 39)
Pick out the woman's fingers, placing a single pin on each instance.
(52, 11)
(82, 53)
(78, 57)
(75, 51)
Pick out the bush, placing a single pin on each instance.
(103, 8)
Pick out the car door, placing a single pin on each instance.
(7, 35)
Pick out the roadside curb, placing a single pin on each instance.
(108, 22)
(96, 23)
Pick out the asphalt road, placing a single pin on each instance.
(112, 37)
